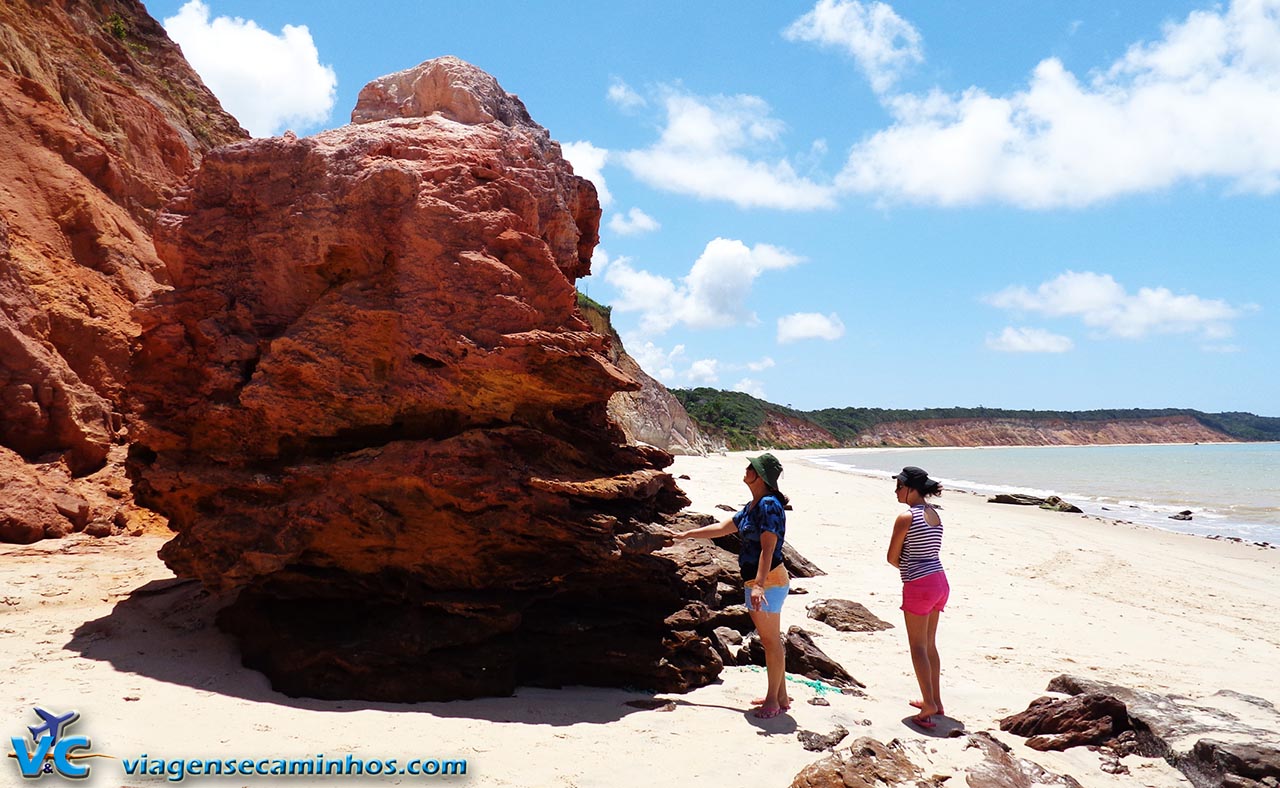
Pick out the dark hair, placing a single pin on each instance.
(784, 500)
(927, 490)
(918, 479)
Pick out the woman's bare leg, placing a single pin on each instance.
(935, 664)
(769, 627)
(918, 642)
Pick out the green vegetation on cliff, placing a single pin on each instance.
(733, 416)
(587, 302)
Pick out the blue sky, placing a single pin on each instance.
(1052, 205)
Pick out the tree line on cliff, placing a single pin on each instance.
(737, 418)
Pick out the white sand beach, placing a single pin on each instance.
(1035, 594)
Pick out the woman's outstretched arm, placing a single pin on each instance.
(708, 531)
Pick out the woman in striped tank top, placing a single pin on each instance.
(913, 549)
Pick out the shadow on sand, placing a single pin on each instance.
(164, 631)
(944, 727)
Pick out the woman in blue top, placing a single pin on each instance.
(762, 527)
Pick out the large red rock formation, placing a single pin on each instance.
(100, 120)
(370, 406)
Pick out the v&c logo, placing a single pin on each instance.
(51, 749)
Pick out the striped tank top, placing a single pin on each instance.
(920, 548)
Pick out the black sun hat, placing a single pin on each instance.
(915, 478)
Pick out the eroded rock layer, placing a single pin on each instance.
(370, 406)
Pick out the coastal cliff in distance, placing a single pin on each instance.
(650, 415)
(101, 120)
(740, 421)
(1047, 432)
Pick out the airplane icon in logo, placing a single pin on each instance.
(53, 724)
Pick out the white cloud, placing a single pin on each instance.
(712, 295)
(706, 151)
(704, 371)
(622, 95)
(268, 82)
(1029, 340)
(882, 43)
(748, 386)
(640, 291)
(588, 161)
(634, 222)
(1201, 102)
(659, 363)
(673, 367)
(809, 325)
(1101, 302)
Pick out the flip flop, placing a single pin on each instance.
(926, 723)
(768, 714)
(919, 704)
(760, 702)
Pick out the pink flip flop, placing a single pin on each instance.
(926, 722)
(768, 714)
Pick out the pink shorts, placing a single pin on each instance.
(927, 594)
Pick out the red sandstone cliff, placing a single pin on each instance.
(100, 120)
(780, 429)
(370, 407)
(1047, 432)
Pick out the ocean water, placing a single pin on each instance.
(1232, 489)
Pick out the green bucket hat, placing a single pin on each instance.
(768, 467)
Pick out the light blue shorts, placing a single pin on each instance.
(773, 598)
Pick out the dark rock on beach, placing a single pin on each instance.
(726, 640)
(1185, 514)
(1236, 764)
(816, 742)
(1053, 502)
(846, 616)
(1198, 737)
(867, 763)
(804, 658)
(1057, 724)
(1000, 768)
(1016, 499)
(1056, 504)
(1171, 718)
